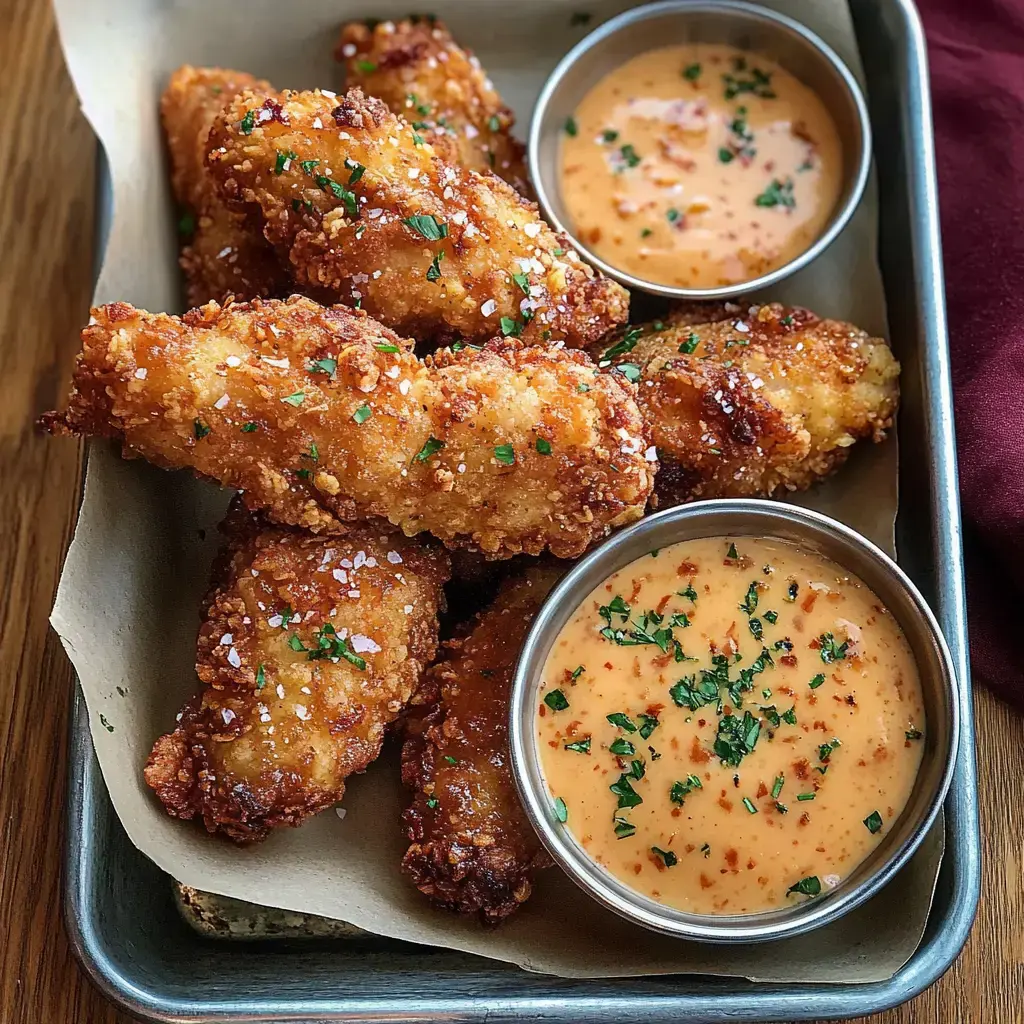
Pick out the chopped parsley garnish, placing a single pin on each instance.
(680, 619)
(616, 606)
(328, 646)
(913, 733)
(313, 454)
(756, 629)
(556, 700)
(781, 808)
(261, 676)
(432, 802)
(623, 828)
(309, 165)
(511, 328)
(621, 720)
(725, 155)
(689, 592)
(339, 192)
(749, 604)
(668, 857)
(826, 749)
(523, 282)
(733, 554)
(417, 139)
(759, 84)
(681, 790)
(636, 769)
(387, 348)
(706, 850)
(629, 155)
(687, 348)
(630, 371)
(623, 789)
(648, 723)
(543, 447)
(672, 215)
(427, 225)
(792, 591)
(646, 232)
(621, 747)
(561, 811)
(450, 759)
(295, 399)
(772, 617)
(787, 320)
(505, 454)
(626, 344)
(778, 193)
(580, 746)
(432, 445)
(582, 388)
(809, 886)
(609, 135)
(248, 122)
(362, 414)
(284, 158)
(577, 672)
(830, 650)
(817, 681)
(789, 717)
(571, 128)
(327, 366)
(493, 123)
(780, 781)
(749, 804)
(873, 822)
(736, 738)
(771, 712)
(366, 66)
(434, 270)
(358, 170)
(691, 72)
(200, 429)
(187, 223)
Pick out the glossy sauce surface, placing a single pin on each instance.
(731, 725)
(699, 165)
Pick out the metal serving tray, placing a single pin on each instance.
(120, 908)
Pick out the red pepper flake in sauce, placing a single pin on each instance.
(734, 706)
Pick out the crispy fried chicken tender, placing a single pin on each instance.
(757, 402)
(226, 254)
(323, 417)
(421, 73)
(366, 211)
(472, 849)
(309, 649)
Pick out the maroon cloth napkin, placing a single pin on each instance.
(976, 52)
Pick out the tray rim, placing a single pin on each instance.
(945, 935)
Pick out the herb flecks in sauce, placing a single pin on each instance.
(652, 757)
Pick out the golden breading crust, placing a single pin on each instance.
(428, 248)
(321, 417)
(758, 402)
(310, 647)
(472, 849)
(421, 73)
(226, 255)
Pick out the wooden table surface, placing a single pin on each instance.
(46, 166)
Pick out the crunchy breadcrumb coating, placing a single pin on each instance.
(365, 209)
(322, 417)
(309, 648)
(472, 849)
(225, 253)
(758, 402)
(421, 73)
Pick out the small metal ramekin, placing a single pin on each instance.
(744, 25)
(812, 531)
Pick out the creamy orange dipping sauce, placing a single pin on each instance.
(699, 165)
(728, 726)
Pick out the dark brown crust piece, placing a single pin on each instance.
(472, 849)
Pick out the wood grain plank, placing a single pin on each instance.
(46, 164)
